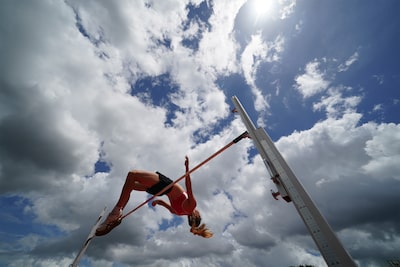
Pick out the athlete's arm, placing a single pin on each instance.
(164, 204)
(191, 200)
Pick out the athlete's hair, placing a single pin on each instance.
(195, 229)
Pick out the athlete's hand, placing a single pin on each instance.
(154, 203)
(187, 163)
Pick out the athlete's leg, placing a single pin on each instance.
(136, 180)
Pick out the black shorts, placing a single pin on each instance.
(164, 181)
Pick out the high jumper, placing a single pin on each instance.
(181, 202)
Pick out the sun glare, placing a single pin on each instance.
(263, 8)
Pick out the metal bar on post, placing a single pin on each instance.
(237, 139)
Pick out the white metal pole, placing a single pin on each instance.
(326, 240)
(88, 239)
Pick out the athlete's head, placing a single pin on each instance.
(194, 221)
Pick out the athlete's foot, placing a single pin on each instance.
(113, 220)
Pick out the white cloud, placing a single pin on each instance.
(383, 150)
(287, 8)
(350, 61)
(65, 98)
(312, 81)
(377, 107)
(213, 55)
(335, 104)
(258, 52)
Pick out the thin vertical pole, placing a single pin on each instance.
(88, 239)
(325, 238)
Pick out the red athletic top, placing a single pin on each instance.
(177, 204)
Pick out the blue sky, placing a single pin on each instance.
(93, 89)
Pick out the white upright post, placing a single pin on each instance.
(88, 239)
(291, 189)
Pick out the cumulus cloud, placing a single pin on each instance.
(335, 104)
(383, 151)
(68, 100)
(312, 81)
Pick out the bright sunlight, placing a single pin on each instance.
(263, 8)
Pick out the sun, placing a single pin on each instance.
(263, 8)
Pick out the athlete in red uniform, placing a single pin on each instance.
(181, 202)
